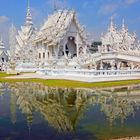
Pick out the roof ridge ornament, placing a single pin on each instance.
(29, 21)
(28, 4)
(1, 43)
(123, 23)
(124, 28)
(112, 26)
(55, 5)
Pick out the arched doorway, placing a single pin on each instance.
(71, 48)
(2, 59)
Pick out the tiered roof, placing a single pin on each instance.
(26, 33)
(29, 21)
(1, 44)
(57, 26)
(2, 48)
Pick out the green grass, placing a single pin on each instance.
(68, 83)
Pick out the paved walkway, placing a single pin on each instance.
(76, 78)
(131, 138)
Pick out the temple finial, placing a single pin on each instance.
(124, 27)
(28, 4)
(28, 16)
(112, 26)
(54, 5)
(111, 21)
(123, 23)
(1, 43)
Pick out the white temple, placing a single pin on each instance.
(120, 42)
(12, 40)
(24, 50)
(4, 56)
(61, 38)
(61, 44)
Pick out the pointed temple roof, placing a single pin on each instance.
(124, 28)
(27, 31)
(57, 26)
(123, 24)
(1, 44)
(112, 26)
(28, 21)
(2, 48)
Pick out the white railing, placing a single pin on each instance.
(114, 55)
(85, 72)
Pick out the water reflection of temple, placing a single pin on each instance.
(60, 107)
(63, 108)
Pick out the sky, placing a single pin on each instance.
(93, 14)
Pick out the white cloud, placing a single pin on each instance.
(3, 19)
(89, 4)
(37, 15)
(4, 29)
(57, 4)
(110, 7)
(130, 2)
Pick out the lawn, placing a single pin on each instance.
(68, 83)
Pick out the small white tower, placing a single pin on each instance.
(124, 28)
(28, 21)
(112, 27)
(24, 39)
(2, 48)
(3, 54)
(12, 40)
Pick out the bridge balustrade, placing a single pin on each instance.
(89, 73)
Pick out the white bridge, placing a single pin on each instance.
(89, 75)
(55, 72)
(116, 55)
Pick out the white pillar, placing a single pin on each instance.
(101, 65)
(64, 48)
(77, 47)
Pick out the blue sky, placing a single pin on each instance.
(94, 14)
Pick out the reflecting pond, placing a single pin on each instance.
(31, 111)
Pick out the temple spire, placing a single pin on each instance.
(29, 21)
(55, 7)
(124, 28)
(1, 44)
(112, 26)
(12, 39)
(29, 4)
(123, 24)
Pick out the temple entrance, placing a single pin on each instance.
(70, 48)
(61, 52)
(48, 55)
(2, 59)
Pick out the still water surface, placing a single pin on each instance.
(30, 111)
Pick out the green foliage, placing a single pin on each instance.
(95, 44)
(3, 74)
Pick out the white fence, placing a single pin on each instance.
(85, 72)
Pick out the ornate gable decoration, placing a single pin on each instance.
(57, 26)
